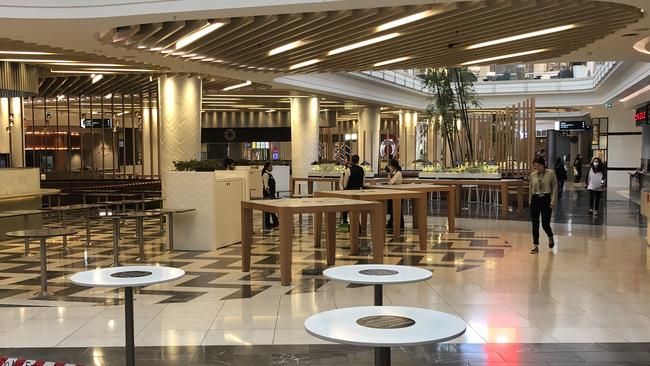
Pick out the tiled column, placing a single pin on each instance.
(180, 120)
(368, 136)
(304, 135)
(407, 123)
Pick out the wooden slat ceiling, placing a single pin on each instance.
(438, 40)
(53, 85)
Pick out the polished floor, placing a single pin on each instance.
(593, 288)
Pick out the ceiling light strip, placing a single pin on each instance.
(406, 20)
(393, 61)
(237, 86)
(365, 43)
(495, 58)
(522, 36)
(286, 47)
(304, 64)
(198, 34)
(645, 89)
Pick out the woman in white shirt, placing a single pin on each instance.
(595, 182)
(394, 177)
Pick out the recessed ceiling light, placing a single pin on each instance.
(367, 42)
(96, 77)
(393, 61)
(198, 58)
(635, 94)
(237, 86)
(60, 97)
(78, 72)
(141, 47)
(155, 49)
(167, 51)
(270, 111)
(286, 47)
(75, 64)
(484, 60)
(303, 64)
(200, 33)
(26, 53)
(32, 60)
(409, 19)
(179, 53)
(522, 36)
(209, 59)
(188, 55)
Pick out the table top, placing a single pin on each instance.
(77, 207)
(172, 210)
(412, 186)
(41, 233)
(384, 326)
(377, 274)
(134, 201)
(375, 192)
(15, 213)
(309, 202)
(40, 192)
(127, 276)
(125, 215)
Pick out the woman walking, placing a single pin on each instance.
(268, 191)
(562, 176)
(542, 199)
(595, 182)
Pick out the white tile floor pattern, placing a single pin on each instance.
(592, 288)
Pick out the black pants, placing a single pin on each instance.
(560, 188)
(594, 199)
(270, 219)
(578, 176)
(541, 205)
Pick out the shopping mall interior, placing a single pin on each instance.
(297, 182)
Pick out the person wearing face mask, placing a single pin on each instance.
(594, 184)
(542, 198)
(268, 191)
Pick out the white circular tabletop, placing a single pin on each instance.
(127, 276)
(377, 274)
(384, 326)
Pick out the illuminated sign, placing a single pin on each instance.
(641, 116)
(572, 126)
(96, 123)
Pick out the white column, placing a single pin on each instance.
(407, 122)
(180, 120)
(304, 135)
(368, 136)
(11, 138)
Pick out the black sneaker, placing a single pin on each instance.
(535, 250)
(551, 243)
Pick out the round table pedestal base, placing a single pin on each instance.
(382, 356)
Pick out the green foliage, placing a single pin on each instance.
(197, 165)
(453, 94)
(463, 168)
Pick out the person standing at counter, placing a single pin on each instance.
(542, 198)
(354, 177)
(268, 191)
(594, 184)
(394, 177)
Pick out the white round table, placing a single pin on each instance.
(378, 275)
(383, 327)
(127, 277)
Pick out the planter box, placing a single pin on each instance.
(217, 201)
(450, 175)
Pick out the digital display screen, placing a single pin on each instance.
(573, 126)
(641, 116)
(96, 123)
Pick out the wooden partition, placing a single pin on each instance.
(506, 136)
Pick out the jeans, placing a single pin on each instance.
(541, 205)
(594, 199)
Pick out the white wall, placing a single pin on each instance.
(624, 143)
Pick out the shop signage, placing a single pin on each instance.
(572, 126)
(96, 123)
(641, 115)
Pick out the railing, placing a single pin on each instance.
(402, 78)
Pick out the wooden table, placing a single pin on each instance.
(383, 196)
(287, 207)
(310, 183)
(503, 185)
(429, 188)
